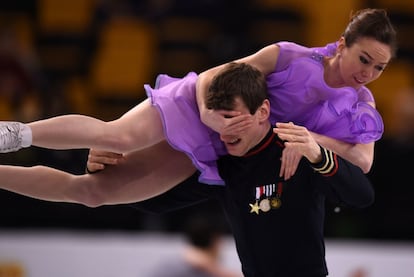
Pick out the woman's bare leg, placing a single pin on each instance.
(138, 128)
(141, 175)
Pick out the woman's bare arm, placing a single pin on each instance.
(264, 60)
(361, 155)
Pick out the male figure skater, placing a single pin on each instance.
(277, 224)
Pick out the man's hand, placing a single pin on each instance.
(98, 160)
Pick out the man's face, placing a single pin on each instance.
(239, 144)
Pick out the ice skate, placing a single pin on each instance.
(14, 136)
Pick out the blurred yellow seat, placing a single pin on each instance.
(12, 269)
(184, 43)
(74, 16)
(63, 30)
(125, 59)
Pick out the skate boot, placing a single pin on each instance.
(14, 136)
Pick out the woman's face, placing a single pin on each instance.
(363, 62)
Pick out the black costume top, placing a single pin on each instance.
(278, 226)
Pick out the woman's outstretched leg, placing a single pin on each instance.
(141, 175)
(138, 128)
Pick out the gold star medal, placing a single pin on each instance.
(254, 208)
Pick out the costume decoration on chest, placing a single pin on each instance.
(267, 197)
(317, 56)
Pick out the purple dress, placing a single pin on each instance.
(298, 93)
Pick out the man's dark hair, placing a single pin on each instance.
(237, 80)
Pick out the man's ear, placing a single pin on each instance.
(264, 110)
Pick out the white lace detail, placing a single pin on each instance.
(10, 136)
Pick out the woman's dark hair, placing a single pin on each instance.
(371, 23)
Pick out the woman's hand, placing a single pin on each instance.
(289, 162)
(227, 122)
(298, 142)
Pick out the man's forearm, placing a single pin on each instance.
(347, 182)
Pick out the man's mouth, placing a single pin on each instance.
(234, 141)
